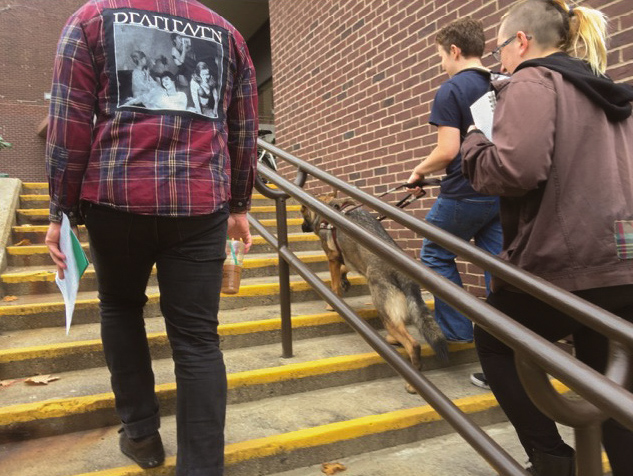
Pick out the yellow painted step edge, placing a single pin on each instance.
(347, 430)
(257, 240)
(41, 197)
(12, 309)
(49, 276)
(45, 185)
(254, 209)
(240, 328)
(324, 434)
(43, 228)
(62, 407)
(35, 184)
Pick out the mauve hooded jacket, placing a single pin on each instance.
(562, 162)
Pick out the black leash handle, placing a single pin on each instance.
(410, 198)
(430, 182)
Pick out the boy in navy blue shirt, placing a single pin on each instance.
(459, 209)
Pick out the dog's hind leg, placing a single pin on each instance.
(391, 305)
(400, 334)
(392, 340)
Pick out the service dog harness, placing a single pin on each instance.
(345, 208)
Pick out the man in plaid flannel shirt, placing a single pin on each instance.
(160, 182)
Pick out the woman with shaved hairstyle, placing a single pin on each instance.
(562, 162)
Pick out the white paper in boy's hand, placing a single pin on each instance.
(76, 263)
(482, 111)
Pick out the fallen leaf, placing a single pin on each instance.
(41, 379)
(7, 383)
(9, 298)
(332, 468)
(24, 242)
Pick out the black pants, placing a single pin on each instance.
(535, 430)
(188, 253)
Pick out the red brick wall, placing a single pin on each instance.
(354, 81)
(29, 30)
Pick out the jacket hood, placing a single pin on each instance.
(615, 99)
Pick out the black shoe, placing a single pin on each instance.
(479, 379)
(147, 452)
(545, 464)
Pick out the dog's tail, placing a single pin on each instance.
(421, 317)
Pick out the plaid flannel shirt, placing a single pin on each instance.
(152, 151)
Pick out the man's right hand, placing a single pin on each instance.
(52, 242)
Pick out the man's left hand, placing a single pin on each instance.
(239, 230)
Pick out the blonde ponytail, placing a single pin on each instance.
(588, 37)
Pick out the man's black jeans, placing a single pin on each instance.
(188, 253)
(535, 430)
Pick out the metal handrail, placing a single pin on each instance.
(489, 449)
(604, 392)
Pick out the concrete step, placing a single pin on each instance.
(81, 399)
(47, 310)
(446, 455)
(38, 216)
(241, 316)
(20, 281)
(35, 234)
(334, 398)
(314, 427)
(38, 255)
(50, 350)
(35, 188)
(34, 199)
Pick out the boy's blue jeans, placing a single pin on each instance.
(189, 254)
(466, 218)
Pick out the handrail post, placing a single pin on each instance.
(584, 417)
(589, 450)
(284, 278)
(282, 245)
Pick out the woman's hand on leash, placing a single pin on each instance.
(52, 242)
(239, 230)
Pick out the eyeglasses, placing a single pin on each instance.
(496, 53)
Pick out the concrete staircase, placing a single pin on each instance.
(335, 400)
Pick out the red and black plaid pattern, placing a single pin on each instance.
(156, 163)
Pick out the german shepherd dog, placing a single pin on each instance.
(397, 298)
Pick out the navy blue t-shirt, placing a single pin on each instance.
(451, 107)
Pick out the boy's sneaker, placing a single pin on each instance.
(479, 379)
